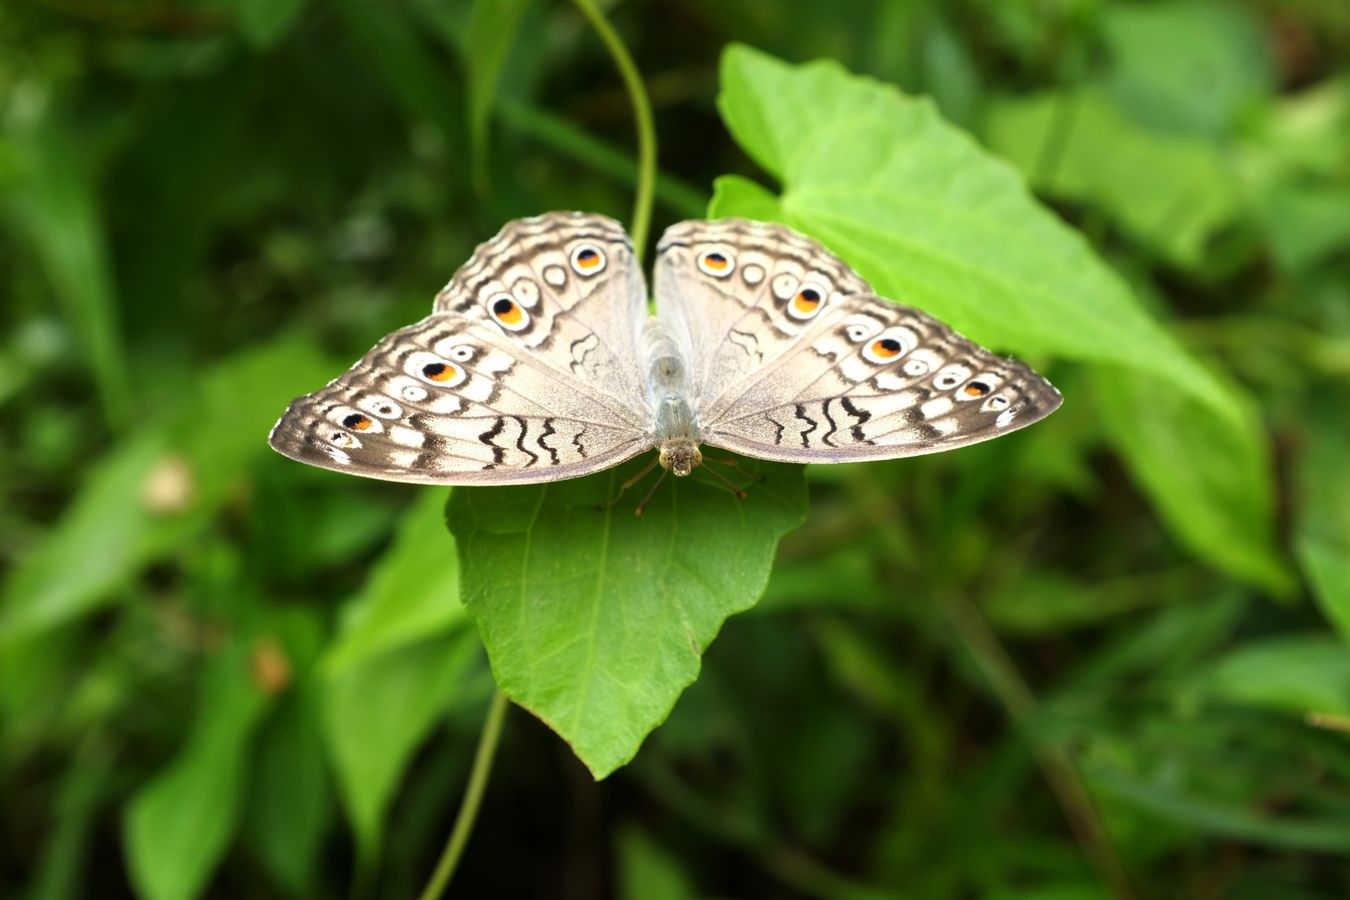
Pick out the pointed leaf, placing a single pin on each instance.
(595, 621)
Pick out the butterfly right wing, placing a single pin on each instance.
(795, 359)
(450, 400)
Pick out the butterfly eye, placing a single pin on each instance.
(716, 263)
(508, 313)
(806, 302)
(587, 260)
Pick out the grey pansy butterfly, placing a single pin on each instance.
(540, 362)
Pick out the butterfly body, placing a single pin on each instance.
(541, 362)
(674, 431)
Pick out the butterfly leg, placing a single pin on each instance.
(650, 493)
(735, 489)
(735, 464)
(629, 483)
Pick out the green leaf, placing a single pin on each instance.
(1299, 674)
(1209, 481)
(1171, 193)
(933, 221)
(595, 621)
(1329, 834)
(1328, 569)
(156, 491)
(263, 23)
(178, 826)
(291, 798)
(491, 31)
(377, 712)
(412, 593)
(53, 202)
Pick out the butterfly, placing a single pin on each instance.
(541, 362)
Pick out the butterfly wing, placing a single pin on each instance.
(526, 372)
(808, 365)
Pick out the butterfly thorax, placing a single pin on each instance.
(674, 425)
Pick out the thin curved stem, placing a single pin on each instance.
(473, 795)
(642, 113)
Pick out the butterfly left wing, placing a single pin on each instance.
(818, 368)
(525, 373)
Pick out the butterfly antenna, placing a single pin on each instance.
(735, 464)
(735, 489)
(647, 499)
(630, 482)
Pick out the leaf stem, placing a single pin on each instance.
(473, 795)
(642, 113)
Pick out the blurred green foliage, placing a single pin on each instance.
(1107, 655)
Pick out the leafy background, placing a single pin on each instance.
(1103, 657)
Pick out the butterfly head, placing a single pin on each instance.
(679, 457)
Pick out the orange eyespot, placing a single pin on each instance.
(806, 301)
(507, 311)
(439, 371)
(588, 258)
(715, 263)
(976, 389)
(357, 422)
(886, 348)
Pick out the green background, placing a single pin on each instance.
(1103, 657)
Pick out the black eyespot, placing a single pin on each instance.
(503, 306)
(890, 345)
(811, 295)
(587, 255)
(354, 420)
(431, 370)
(715, 258)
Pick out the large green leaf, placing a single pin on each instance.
(932, 220)
(594, 620)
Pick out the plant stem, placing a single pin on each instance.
(642, 113)
(473, 795)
